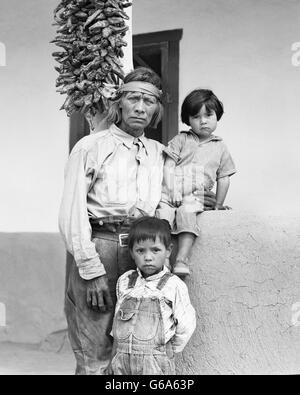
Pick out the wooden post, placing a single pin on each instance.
(128, 56)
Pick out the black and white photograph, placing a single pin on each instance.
(150, 200)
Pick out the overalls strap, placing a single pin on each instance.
(164, 280)
(132, 279)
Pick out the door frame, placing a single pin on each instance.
(168, 41)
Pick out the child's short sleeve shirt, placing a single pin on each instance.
(212, 156)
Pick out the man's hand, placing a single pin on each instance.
(98, 295)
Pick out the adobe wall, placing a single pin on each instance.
(245, 286)
(31, 285)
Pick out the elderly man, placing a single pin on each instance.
(112, 177)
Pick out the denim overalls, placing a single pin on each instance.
(139, 331)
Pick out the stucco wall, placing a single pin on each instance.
(245, 286)
(34, 133)
(31, 285)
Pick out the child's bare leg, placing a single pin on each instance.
(185, 244)
(186, 220)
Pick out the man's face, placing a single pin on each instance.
(137, 111)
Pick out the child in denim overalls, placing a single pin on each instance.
(154, 317)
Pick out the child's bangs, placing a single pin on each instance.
(210, 106)
(149, 229)
(153, 236)
(196, 107)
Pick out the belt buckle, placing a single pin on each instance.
(123, 239)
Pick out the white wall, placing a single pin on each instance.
(242, 50)
(34, 133)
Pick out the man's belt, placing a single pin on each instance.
(118, 220)
(121, 238)
(113, 227)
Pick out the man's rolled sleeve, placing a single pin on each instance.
(74, 222)
(92, 269)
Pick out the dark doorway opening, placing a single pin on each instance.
(160, 52)
(149, 56)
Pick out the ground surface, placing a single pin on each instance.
(24, 359)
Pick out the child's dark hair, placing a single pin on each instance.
(194, 101)
(149, 228)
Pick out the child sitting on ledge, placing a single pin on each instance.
(196, 160)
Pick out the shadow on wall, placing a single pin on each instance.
(245, 286)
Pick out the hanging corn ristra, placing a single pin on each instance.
(90, 40)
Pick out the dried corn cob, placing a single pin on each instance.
(90, 37)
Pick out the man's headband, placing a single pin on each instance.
(142, 87)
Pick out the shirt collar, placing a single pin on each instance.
(127, 139)
(212, 137)
(121, 136)
(155, 276)
(145, 142)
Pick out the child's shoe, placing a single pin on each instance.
(181, 268)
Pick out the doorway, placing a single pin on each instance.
(160, 52)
